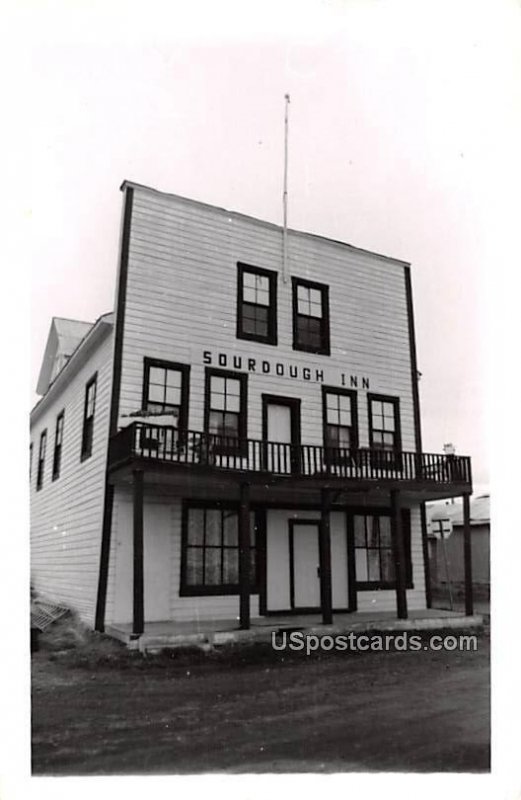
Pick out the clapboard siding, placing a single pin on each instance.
(66, 514)
(165, 526)
(181, 301)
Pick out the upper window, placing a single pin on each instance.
(41, 459)
(384, 423)
(310, 317)
(88, 418)
(30, 460)
(58, 439)
(211, 552)
(256, 304)
(225, 412)
(165, 390)
(374, 560)
(340, 423)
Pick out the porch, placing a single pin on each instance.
(162, 459)
(207, 632)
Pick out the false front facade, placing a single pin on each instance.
(263, 444)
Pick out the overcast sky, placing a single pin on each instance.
(394, 147)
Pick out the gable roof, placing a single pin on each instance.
(64, 337)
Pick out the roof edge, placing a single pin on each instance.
(264, 223)
(91, 335)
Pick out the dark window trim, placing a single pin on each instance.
(354, 418)
(57, 455)
(367, 586)
(30, 461)
(41, 461)
(184, 369)
(242, 444)
(325, 348)
(272, 276)
(86, 440)
(223, 589)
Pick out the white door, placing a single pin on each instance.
(306, 581)
(278, 434)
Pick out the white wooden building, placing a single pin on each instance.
(241, 437)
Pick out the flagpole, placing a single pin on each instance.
(285, 195)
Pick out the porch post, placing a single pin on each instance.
(399, 555)
(244, 556)
(426, 562)
(137, 492)
(326, 599)
(467, 557)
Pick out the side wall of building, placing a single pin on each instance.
(66, 513)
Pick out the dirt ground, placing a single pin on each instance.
(98, 709)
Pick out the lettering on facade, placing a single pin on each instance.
(283, 370)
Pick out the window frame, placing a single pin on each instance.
(40, 474)
(271, 336)
(57, 455)
(325, 336)
(87, 435)
(184, 369)
(393, 458)
(202, 590)
(367, 586)
(337, 459)
(241, 449)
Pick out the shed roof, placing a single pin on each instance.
(479, 511)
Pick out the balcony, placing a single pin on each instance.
(165, 448)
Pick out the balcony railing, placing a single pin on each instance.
(167, 444)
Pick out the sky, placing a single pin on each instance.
(394, 146)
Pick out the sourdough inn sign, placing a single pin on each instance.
(283, 369)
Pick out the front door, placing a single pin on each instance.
(304, 565)
(281, 433)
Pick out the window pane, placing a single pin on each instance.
(173, 378)
(385, 531)
(230, 425)
(359, 522)
(195, 526)
(217, 385)
(213, 526)
(194, 566)
(248, 294)
(231, 535)
(309, 332)
(156, 375)
(173, 396)
(212, 566)
(373, 560)
(230, 565)
(387, 562)
(373, 528)
(216, 422)
(361, 564)
(156, 394)
(233, 404)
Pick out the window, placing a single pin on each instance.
(310, 317)
(384, 427)
(165, 390)
(225, 413)
(374, 560)
(30, 460)
(41, 460)
(58, 438)
(256, 304)
(210, 557)
(88, 418)
(339, 409)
